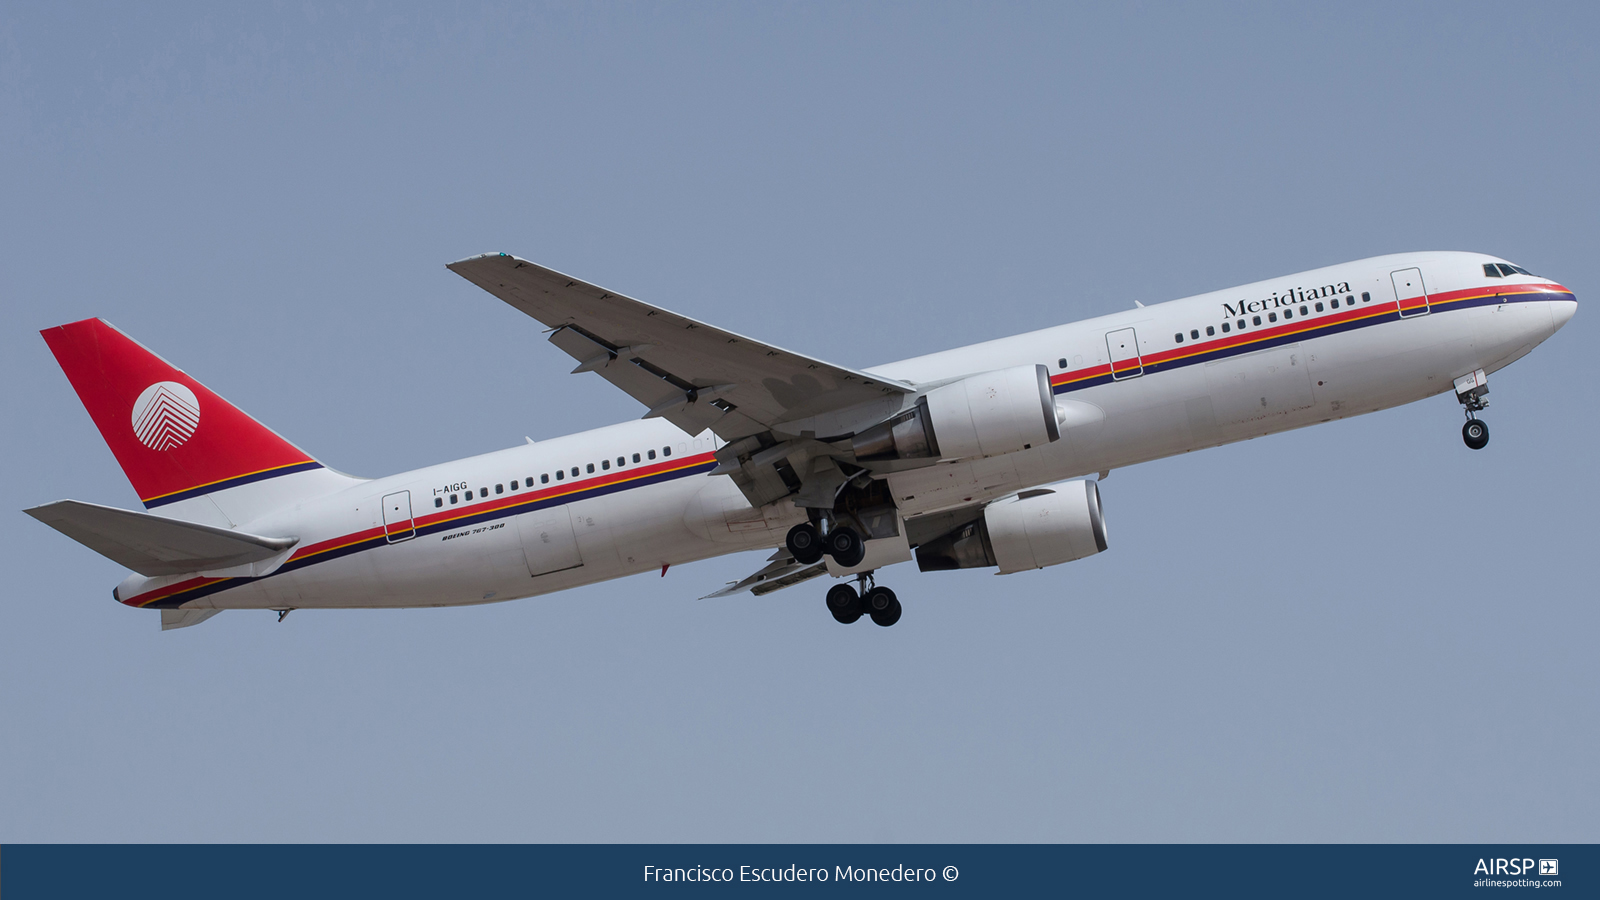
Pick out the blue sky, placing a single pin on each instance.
(1356, 632)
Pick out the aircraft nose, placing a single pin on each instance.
(1561, 312)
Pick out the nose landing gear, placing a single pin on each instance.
(847, 604)
(1470, 392)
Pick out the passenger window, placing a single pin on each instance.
(561, 474)
(605, 464)
(1178, 337)
(621, 461)
(1319, 306)
(1194, 333)
(438, 502)
(1365, 297)
(1272, 317)
(1288, 314)
(1490, 270)
(545, 479)
(499, 489)
(1303, 309)
(1256, 320)
(483, 492)
(574, 471)
(1335, 302)
(1210, 331)
(591, 468)
(1061, 363)
(1241, 324)
(652, 454)
(513, 484)
(636, 457)
(666, 451)
(1350, 300)
(1225, 328)
(452, 499)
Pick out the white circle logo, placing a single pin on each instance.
(165, 415)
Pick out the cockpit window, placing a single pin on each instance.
(1504, 270)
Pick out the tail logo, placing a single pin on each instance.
(165, 415)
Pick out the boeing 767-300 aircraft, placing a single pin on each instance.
(972, 457)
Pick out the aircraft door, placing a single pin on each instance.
(548, 541)
(1409, 291)
(397, 522)
(1124, 349)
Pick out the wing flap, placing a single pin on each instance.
(152, 545)
(783, 571)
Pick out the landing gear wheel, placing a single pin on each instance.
(845, 546)
(844, 603)
(804, 542)
(1475, 433)
(883, 606)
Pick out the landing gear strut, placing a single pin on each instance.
(847, 604)
(1470, 392)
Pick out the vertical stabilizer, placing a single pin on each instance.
(187, 451)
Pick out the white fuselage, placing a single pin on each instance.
(475, 530)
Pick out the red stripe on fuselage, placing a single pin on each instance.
(578, 486)
(1321, 320)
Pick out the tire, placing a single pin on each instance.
(846, 618)
(804, 542)
(878, 600)
(889, 616)
(1475, 434)
(846, 548)
(844, 601)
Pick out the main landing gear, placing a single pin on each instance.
(879, 603)
(842, 543)
(1470, 392)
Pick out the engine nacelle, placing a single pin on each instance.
(991, 414)
(1029, 531)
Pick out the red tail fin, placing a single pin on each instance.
(174, 438)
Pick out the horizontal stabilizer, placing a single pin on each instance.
(153, 545)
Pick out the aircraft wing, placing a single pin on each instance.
(694, 375)
(780, 572)
(152, 545)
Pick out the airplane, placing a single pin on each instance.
(976, 457)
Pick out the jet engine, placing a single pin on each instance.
(990, 414)
(1029, 531)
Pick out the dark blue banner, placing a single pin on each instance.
(944, 871)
